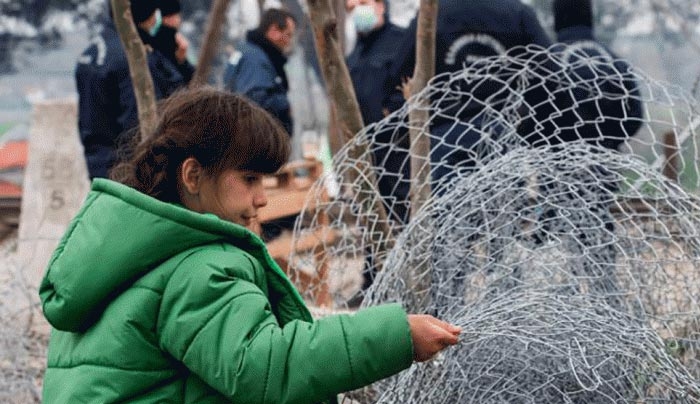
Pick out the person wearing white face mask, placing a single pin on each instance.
(365, 18)
(369, 63)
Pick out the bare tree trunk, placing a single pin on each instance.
(210, 43)
(340, 16)
(138, 66)
(335, 137)
(423, 72)
(418, 117)
(342, 95)
(335, 72)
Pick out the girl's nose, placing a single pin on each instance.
(260, 199)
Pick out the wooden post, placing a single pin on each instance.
(670, 167)
(138, 66)
(340, 17)
(210, 44)
(342, 96)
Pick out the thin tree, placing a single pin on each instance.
(342, 97)
(335, 138)
(418, 117)
(137, 58)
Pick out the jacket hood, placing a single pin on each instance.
(119, 235)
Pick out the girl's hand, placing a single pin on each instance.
(431, 335)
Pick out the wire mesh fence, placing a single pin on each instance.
(487, 110)
(561, 232)
(529, 273)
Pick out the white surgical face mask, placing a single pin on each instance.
(156, 26)
(364, 18)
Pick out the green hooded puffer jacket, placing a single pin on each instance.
(151, 302)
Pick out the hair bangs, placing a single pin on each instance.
(259, 143)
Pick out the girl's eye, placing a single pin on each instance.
(251, 179)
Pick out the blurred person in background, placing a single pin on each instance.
(599, 103)
(106, 102)
(168, 40)
(370, 64)
(466, 32)
(256, 69)
(608, 109)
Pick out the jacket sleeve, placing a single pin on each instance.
(128, 115)
(405, 56)
(220, 325)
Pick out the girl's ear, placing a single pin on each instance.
(191, 174)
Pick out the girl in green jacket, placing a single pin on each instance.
(158, 292)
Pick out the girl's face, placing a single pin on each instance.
(235, 196)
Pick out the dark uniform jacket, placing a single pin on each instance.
(164, 41)
(106, 102)
(256, 70)
(370, 64)
(467, 32)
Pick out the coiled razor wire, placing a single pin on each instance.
(22, 348)
(572, 267)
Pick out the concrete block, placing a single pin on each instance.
(55, 184)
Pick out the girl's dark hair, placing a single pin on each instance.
(220, 129)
